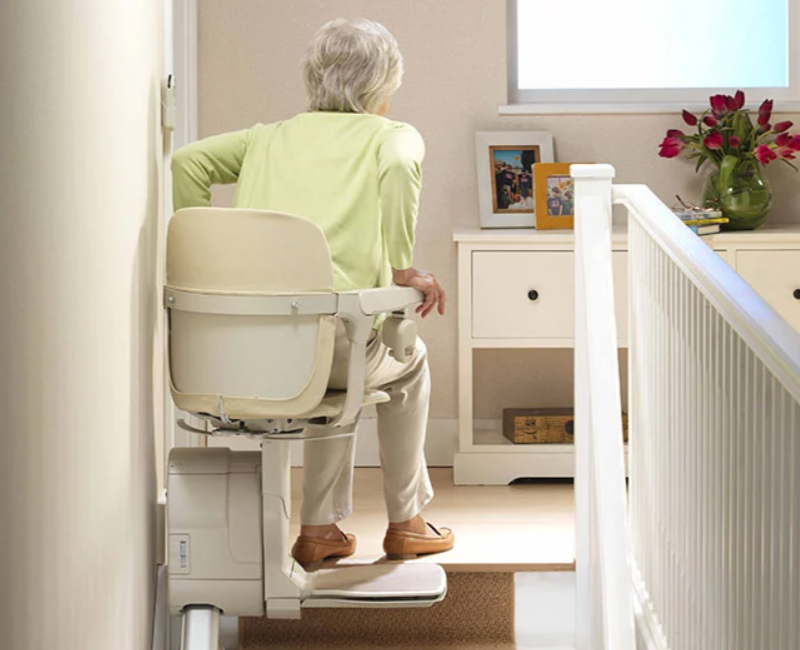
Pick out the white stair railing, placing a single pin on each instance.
(714, 414)
(715, 445)
(604, 618)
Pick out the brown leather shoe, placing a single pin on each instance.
(310, 551)
(405, 545)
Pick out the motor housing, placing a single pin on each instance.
(214, 519)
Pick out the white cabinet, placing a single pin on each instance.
(520, 294)
(529, 295)
(775, 274)
(516, 290)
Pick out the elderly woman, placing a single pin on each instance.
(357, 175)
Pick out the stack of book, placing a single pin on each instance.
(702, 222)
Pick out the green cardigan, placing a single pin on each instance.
(358, 176)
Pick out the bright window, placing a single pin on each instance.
(652, 51)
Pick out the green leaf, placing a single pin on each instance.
(711, 156)
(743, 128)
(726, 169)
(699, 163)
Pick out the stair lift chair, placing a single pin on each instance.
(252, 319)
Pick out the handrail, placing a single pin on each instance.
(768, 334)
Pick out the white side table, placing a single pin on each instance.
(515, 290)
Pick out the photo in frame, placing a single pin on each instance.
(554, 196)
(505, 162)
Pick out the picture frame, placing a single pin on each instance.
(506, 187)
(554, 189)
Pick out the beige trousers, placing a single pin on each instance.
(328, 465)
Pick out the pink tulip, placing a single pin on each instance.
(731, 103)
(786, 153)
(764, 154)
(713, 140)
(780, 127)
(719, 105)
(675, 133)
(783, 139)
(765, 112)
(739, 100)
(794, 144)
(690, 119)
(710, 120)
(671, 147)
(734, 142)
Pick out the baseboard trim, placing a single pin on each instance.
(161, 636)
(161, 529)
(648, 629)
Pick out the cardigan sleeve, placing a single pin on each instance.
(201, 164)
(400, 182)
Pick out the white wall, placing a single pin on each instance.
(455, 56)
(79, 214)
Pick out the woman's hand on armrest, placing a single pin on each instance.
(425, 282)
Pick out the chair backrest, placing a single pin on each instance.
(242, 365)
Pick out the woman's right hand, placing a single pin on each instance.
(427, 283)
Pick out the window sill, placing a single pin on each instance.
(619, 109)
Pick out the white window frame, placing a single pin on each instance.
(653, 100)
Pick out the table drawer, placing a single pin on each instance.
(531, 295)
(775, 275)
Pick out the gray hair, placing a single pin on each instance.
(351, 67)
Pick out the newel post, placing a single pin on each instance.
(593, 192)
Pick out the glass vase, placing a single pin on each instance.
(745, 197)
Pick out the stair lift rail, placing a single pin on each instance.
(228, 512)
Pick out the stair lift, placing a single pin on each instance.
(252, 319)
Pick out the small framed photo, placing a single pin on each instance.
(505, 161)
(555, 196)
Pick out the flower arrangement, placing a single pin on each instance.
(737, 149)
(725, 129)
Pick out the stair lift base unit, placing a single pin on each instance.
(216, 534)
(215, 530)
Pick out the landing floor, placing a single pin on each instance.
(513, 528)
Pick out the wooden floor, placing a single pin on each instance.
(498, 528)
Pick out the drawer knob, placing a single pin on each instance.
(796, 294)
(534, 295)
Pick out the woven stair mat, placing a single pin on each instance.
(477, 614)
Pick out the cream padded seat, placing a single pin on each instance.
(261, 356)
(329, 408)
(332, 404)
(253, 290)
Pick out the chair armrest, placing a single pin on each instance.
(387, 299)
(357, 309)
